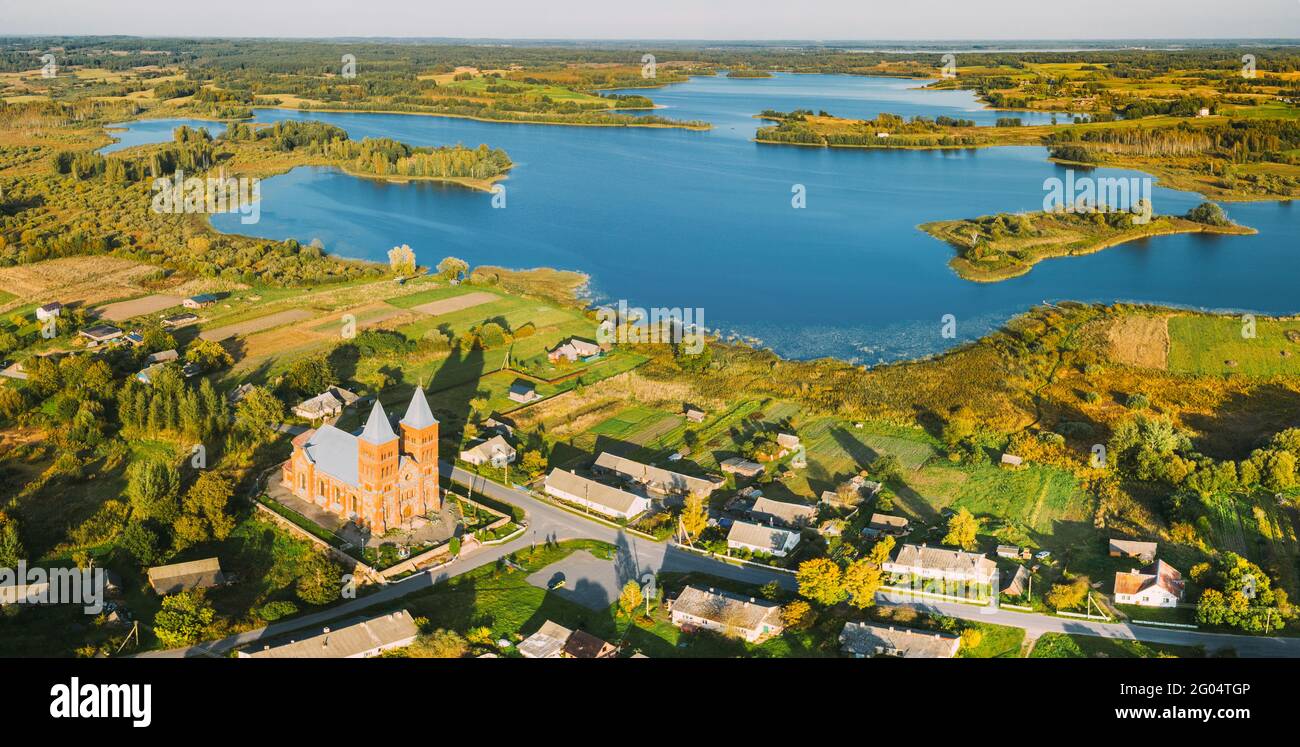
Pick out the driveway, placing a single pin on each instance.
(588, 580)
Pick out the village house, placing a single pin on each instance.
(547, 643)
(1161, 585)
(523, 392)
(788, 442)
(694, 415)
(180, 320)
(727, 613)
(236, 395)
(595, 496)
(495, 451)
(865, 640)
(768, 511)
(373, 477)
(147, 374)
(584, 645)
(1012, 461)
(655, 479)
(48, 311)
(162, 356)
(885, 524)
(941, 563)
(134, 337)
(1143, 551)
(1011, 552)
(832, 528)
(327, 404)
(101, 334)
(497, 425)
(572, 350)
(178, 577)
(761, 539)
(199, 301)
(359, 640)
(741, 467)
(1018, 584)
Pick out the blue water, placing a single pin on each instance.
(676, 218)
(147, 131)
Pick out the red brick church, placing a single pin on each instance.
(373, 477)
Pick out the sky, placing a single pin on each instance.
(662, 19)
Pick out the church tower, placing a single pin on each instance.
(420, 443)
(377, 457)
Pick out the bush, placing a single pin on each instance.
(1208, 213)
(1138, 402)
(272, 611)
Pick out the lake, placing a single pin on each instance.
(676, 218)
(146, 131)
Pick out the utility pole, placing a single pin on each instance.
(135, 633)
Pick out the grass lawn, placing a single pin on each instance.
(996, 642)
(1215, 345)
(1063, 646)
(1179, 615)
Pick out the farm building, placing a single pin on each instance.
(595, 496)
(655, 479)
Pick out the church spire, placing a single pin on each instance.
(377, 430)
(418, 415)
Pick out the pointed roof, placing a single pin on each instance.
(418, 415)
(377, 430)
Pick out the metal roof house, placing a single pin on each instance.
(178, 577)
(595, 496)
(727, 613)
(762, 539)
(941, 563)
(1161, 585)
(1144, 551)
(656, 479)
(495, 450)
(864, 640)
(523, 392)
(362, 639)
(767, 511)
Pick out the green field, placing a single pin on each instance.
(478, 87)
(1216, 345)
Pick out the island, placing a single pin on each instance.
(822, 129)
(997, 247)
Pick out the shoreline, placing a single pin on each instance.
(472, 118)
(967, 270)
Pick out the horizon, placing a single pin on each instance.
(1284, 40)
(675, 20)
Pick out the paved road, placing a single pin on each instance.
(1035, 625)
(636, 556)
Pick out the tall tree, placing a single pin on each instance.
(630, 598)
(451, 268)
(821, 580)
(695, 515)
(152, 486)
(401, 259)
(962, 528)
